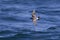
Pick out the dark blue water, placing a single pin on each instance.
(15, 22)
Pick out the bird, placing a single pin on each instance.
(34, 17)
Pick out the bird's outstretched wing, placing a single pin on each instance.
(34, 17)
(35, 22)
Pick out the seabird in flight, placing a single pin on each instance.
(34, 17)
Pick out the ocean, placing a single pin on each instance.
(15, 22)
